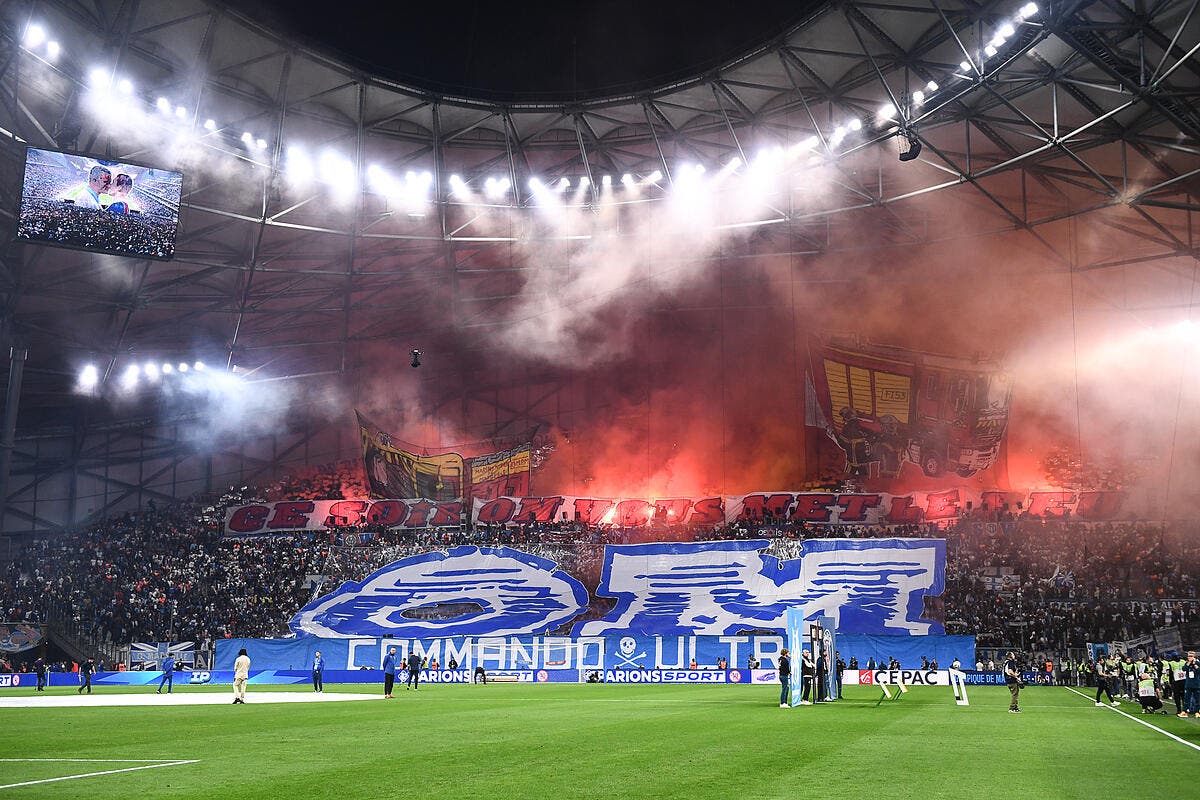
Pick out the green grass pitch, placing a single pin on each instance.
(607, 742)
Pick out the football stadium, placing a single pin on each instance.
(600, 400)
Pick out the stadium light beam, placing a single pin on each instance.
(53, 48)
(34, 36)
(89, 376)
(210, 124)
(163, 105)
(1028, 10)
(125, 86)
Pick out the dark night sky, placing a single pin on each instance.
(512, 51)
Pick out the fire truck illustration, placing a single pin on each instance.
(885, 406)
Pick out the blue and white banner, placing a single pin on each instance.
(584, 653)
(870, 586)
(150, 655)
(491, 591)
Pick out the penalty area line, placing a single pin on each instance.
(90, 774)
(1138, 721)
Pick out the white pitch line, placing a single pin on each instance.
(89, 774)
(1138, 721)
(101, 761)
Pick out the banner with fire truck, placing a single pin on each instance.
(783, 508)
(891, 411)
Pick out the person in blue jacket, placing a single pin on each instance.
(168, 676)
(389, 673)
(318, 668)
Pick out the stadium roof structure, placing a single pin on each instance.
(1054, 124)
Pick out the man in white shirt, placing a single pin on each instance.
(241, 674)
(87, 195)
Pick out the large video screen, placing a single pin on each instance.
(97, 204)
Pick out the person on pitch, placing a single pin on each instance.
(317, 672)
(168, 676)
(414, 671)
(389, 673)
(1012, 678)
(1104, 674)
(785, 677)
(1191, 684)
(241, 676)
(86, 670)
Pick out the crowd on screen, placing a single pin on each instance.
(166, 573)
(44, 216)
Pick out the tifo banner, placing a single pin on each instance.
(889, 409)
(393, 472)
(872, 586)
(942, 508)
(506, 590)
(499, 474)
(17, 637)
(579, 653)
(150, 655)
(283, 516)
(813, 508)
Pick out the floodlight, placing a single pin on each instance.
(886, 111)
(53, 48)
(585, 182)
(855, 124)
(89, 376)
(163, 105)
(99, 77)
(261, 144)
(247, 137)
(733, 163)
(931, 87)
(989, 51)
(918, 96)
(1006, 30)
(129, 378)
(655, 176)
(564, 183)
(210, 124)
(299, 166)
(1028, 10)
(150, 371)
(167, 369)
(199, 366)
(997, 41)
(34, 36)
(183, 367)
(810, 143)
(606, 180)
(627, 179)
(181, 112)
(125, 86)
(534, 184)
(965, 66)
(337, 171)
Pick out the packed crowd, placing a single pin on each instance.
(138, 234)
(160, 574)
